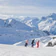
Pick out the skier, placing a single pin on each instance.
(26, 43)
(32, 43)
(37, 44)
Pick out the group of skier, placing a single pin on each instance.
(32, 43)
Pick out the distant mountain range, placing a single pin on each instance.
(12, 23)
(12, 31)
(47, 23)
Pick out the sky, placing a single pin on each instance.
(32, 8)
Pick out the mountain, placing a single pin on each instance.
(1, 23)
(12, 31)
(53, 29)
(31, 21)
(44, 24)
(48, 23)
(12, 23)
(53, 16)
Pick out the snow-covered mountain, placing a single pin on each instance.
(12, 23)
(12, 31)
(31, 21)
(49, 24)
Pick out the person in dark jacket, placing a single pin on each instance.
(32, 43)
(26, 43)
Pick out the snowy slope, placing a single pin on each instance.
(43, 40)
(52, 40)
(8, 50)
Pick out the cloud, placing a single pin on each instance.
(1, 0)
(27, 7)
(17, 10)
(26, 10)
(4, 17)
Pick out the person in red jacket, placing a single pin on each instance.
(37, 44)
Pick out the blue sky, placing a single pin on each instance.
(33, 8)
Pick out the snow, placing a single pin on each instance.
(42, 41)
(12, 31)
(29, 23)
(10, 50)
(48, 24)
(16, 32)
(9, 21)
(51, 40)
(18, 49)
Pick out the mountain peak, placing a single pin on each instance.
(53, 16)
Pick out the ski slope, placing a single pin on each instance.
(11, 50)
